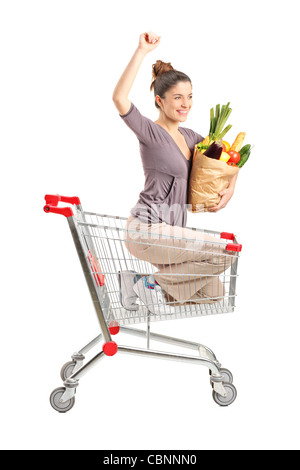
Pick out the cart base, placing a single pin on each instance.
(224, 393)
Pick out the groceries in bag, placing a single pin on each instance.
(215, 162)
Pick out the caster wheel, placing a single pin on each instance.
(57, 405)
(227, 376)
(231, 395)
(67, 370)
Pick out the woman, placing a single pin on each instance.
(160, 213)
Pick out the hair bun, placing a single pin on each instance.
(159, 68)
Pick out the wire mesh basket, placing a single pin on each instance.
(109, 238)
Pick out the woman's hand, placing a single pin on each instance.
(226, 195)
(148, 41)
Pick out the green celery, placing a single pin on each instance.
(224, 116)
(225, 131)
(214, 122)
(211, 121)
(222, 121)
(217, 112)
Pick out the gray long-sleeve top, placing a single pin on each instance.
(166, 169)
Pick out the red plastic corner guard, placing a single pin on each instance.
(52, 201)
(110, 348)
(66, 211)
(227, 236)
(233, 247)
(114, 328)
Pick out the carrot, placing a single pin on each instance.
(237, 144)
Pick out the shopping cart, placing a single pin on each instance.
(100, 244)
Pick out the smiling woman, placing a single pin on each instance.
(166, 151)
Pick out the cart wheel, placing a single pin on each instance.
(67, 370)
(55, 403)
(227, 375)
(231, 395)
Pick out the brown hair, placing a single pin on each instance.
(164, 77)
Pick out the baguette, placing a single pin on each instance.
(237, 144)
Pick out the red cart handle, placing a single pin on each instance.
(52, 201)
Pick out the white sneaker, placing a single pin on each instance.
(152, 296)
(128, 297)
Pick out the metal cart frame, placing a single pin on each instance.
(62, 399)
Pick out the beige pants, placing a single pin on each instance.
(187, 269)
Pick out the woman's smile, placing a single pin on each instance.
(182, 114)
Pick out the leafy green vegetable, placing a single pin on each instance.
(202, 146)
(218, 120)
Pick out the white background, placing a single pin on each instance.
(61, 134)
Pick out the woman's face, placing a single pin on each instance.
(177, 102)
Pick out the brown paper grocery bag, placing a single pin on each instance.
(208, 177)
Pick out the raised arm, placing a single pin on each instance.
(147, 43)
